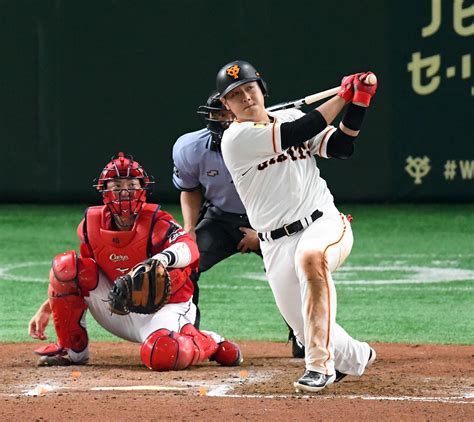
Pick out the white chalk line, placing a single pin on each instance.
(6, 275)
(43, 389)
(453, 400)
(140, 388)
(223, 391)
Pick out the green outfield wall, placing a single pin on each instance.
(80, 80)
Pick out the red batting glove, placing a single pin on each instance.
(363, 92)
(347, 88)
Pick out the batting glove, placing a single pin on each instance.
(347, 88)
(363, 92)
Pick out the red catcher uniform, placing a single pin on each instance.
(117, 252)
(111, 248)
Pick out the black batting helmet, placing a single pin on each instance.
(237, 73)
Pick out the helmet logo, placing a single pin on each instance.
(233, 71)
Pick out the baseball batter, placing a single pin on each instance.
(220, 225)
(115, 237)
(304, 238)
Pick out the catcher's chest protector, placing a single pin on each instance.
(116, 252)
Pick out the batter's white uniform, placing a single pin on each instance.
(280, 187)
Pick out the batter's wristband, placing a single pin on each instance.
(362, 98)
(354, 117)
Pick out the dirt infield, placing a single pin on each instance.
(407, 382)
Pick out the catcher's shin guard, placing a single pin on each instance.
(228, 354)
(205, 345)
(70, 279)
(69, 322)
(165, 350)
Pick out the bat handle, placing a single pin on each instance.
(310, 99)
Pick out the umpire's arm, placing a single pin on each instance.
(191, 202)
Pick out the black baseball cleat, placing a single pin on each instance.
(313, 381)
(370, 361)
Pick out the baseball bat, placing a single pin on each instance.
(310, 99)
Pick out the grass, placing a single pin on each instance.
(409, 277)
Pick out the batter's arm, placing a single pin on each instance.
(306, 127)
(331, 108)
(191, 202)
(314, 122)
(341, 143)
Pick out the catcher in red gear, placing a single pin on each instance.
(115, 240)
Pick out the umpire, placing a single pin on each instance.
(212, 210)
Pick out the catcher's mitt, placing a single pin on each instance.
(144, 290)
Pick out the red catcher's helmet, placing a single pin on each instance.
(123, 166)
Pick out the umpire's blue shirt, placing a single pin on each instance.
(196, 165)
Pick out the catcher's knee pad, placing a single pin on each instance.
(71, 275)
(164, 350)
(205, 345)
(69, 321)
(228, 354)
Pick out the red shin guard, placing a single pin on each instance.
(68, 314)
(70, 279)
(166, 350)
(228, 354)
(205, 345)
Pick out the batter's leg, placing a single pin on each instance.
(333, 236)
(278, 258)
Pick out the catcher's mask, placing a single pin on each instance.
(237, 73)
(209, 113)
(124, 203)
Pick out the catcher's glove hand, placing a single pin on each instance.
(144, 290)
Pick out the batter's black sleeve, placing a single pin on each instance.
(340, 145)
(300, 130)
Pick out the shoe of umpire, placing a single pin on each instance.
(313, 381)
(371, 360)
(297, 349)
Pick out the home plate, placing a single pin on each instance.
(140, 388)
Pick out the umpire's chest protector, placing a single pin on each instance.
(116, 252)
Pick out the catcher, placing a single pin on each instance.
(133, 274)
